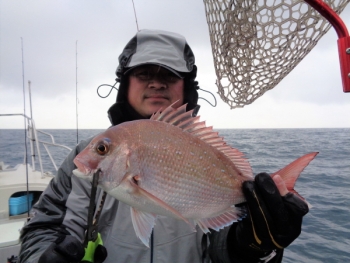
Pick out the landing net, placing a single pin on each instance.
(256, 43)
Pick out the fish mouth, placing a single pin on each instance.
(83, 171)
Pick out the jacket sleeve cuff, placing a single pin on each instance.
(217, 249)
(240, 253)
(224, 248)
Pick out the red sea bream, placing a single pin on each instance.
(173, 165)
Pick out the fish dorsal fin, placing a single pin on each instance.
(183, 119)
(169, 113)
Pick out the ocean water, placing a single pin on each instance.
(325, 183)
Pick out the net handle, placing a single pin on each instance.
(343, 38)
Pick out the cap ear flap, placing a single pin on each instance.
(125, 56)
(190, 91)
(122, 95)
(191, 94)
(189, 58)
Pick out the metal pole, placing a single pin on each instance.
(30, 129)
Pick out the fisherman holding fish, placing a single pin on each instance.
(176, 191)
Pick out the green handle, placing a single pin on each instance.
(90, 249)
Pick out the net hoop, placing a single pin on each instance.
(256, 43)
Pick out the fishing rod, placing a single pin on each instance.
(76, 87)
(137, 24)
(25, 129)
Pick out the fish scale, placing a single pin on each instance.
(199, 179)
(200, 183)
(175, 166)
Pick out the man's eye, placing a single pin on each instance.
(171, 78)
(142, 75)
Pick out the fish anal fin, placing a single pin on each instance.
(143, 224)
(218, 222)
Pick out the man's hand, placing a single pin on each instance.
(66, 249)
(273, 222)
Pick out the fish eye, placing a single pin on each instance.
(102, 148)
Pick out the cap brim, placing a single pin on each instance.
(157, 64)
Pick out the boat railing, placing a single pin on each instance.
(34, 143)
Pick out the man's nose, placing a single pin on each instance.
(155, 83)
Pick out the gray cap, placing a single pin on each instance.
(157, 47)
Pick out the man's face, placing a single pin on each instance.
(152, 88)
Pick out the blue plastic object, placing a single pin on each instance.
(19, 205)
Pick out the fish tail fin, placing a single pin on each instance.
(292, 171)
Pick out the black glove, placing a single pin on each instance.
(68, 249)
(273, 222)
(100, 254)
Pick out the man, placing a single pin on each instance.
(156, 69)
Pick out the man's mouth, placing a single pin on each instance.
(156, 96)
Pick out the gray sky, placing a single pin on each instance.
(310, 96)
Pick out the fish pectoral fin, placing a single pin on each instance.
(218, 222)
(143, 224)
(130, 183)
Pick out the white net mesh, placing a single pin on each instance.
(256, 43)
